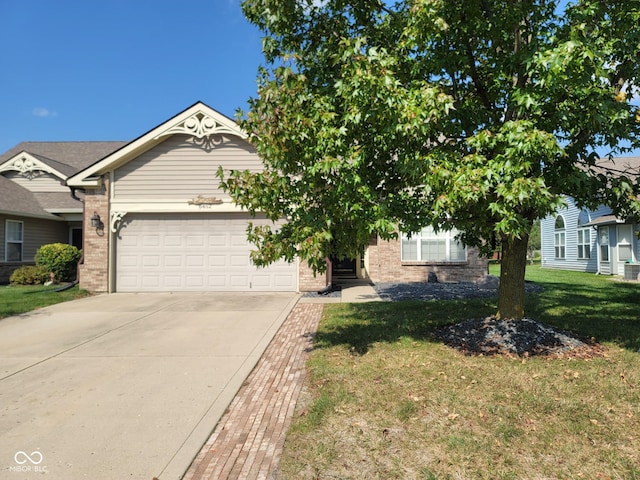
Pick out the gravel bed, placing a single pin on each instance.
(526, 337)
(396, 292)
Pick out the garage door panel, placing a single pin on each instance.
(193, 252)
(150, 281)
(150, 261)
(195, 261)
(217, 260)
(172, 261)
(172, 282)
(239, 240)
(217, 240)
(151, 240)
(260, 281)
(195, 240)
(195, 281)
(239, 261)
(172, 241)
(129, 261)
(284, 281)
(239, 281)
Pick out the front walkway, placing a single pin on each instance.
(248, 440)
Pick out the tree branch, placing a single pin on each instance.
(480, 88)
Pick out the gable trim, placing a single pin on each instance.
(201, 124)
(29, 166)
(199, 120)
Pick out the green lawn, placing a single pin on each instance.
(385, 400)
(15, 300)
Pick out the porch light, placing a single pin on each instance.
(96, 223)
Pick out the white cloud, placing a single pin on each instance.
(43, 112)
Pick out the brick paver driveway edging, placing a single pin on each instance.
(248, 441)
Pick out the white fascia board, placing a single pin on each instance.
(63, 211)
(166, 207)
(198, 120)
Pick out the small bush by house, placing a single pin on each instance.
(59, 258)
(29, 275)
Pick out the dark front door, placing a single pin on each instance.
(345, 268)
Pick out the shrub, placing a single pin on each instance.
(29, 275)
(59, 258)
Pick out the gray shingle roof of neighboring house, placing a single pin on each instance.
(629, 166)
(66, 157)
(57, 201)
(17, 200)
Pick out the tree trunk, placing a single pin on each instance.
(512, 270)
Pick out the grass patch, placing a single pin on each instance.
(385, 400)
(15, 300)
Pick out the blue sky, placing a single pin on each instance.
(111, 70)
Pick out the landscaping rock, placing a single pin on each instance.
(526, 337)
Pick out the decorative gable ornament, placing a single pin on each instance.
(201, 125)
(29, 167)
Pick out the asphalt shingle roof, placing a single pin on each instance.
(66, 157)
(17, 200)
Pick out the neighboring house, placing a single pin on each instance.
(36, 208)
(156, 219)
(593, 241)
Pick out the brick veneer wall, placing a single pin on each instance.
(94, 269)
(384, 265)
(307, 282)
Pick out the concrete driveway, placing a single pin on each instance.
(125, 386)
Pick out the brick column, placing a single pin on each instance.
(94, 270)
(308, 282)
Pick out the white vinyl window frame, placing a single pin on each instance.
(427, 246)
(559, 239)
(584, 243)
(603, 242)
(13, 240)
(625, 243)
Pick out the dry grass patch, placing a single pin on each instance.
(386, 400)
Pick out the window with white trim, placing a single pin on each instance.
(559, 238)
(603, 240)
(14, 239)
(584, 243)
(584, 235)
(429, 246)
(625, 240)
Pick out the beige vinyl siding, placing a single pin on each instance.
(35, 234)
(42, 232)
(45, 182)
(180, 169)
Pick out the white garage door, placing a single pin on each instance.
(193, 252)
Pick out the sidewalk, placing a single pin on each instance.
(353, 291)
(247, 442)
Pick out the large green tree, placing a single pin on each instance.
(374, 116)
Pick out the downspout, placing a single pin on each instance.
(598, 272)
(81, 200)
(110, 238)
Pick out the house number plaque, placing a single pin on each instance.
(204, 202)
